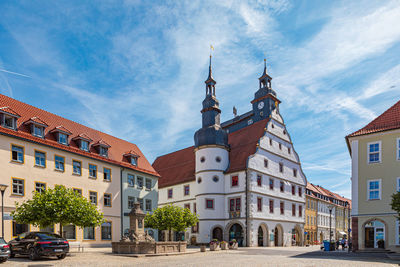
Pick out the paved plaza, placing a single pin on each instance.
(292, 256)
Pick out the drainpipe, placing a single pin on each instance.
(122, 203)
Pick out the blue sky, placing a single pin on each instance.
(136, 69)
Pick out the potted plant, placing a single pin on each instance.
(214, 245)
(224, 245)
(202, 248)
(233, 244)
(381, 243)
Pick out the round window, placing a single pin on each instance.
(199, 180)
(218, 159)
(215, 179)
(202, 159)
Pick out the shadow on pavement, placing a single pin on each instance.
(344, 255)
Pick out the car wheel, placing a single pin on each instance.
(32, 254)
(62, 256)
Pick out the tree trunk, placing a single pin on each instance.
(169, 234)
(61, 228)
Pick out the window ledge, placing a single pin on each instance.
(76, 174)
(17, 195)
(39, 166)
(57, 170)
(94, 178)
(16, 161)
(106, 181)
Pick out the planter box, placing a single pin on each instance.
(214, 247)
(234, 246)
(224, 246)
(202, 248)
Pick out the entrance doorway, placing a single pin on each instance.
(260, 237)
(374, 234)
(236, 232)
(217, 233)
(278, 236)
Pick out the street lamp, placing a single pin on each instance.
(330, 207)
(3, 188)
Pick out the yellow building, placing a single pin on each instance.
(311, 213)
(39, 150)
(375, 155)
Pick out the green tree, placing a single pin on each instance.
(395, 203)
(171, 218)
(58, 206)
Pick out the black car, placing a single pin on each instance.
(4, 251)
(38, 244)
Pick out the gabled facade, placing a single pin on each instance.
(39, 150)
(375, 156)
(242, 177)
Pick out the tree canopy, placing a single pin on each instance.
(395, 203)
(171, 218)
(57, 206)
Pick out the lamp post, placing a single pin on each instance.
(330, 207)
(3, 188)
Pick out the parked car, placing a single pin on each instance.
(4, 250)
(39, 244)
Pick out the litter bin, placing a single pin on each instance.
(326, 246)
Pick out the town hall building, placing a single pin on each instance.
(242, 177)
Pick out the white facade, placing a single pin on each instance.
(259, 227)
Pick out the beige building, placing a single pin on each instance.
(39, 150)
(375, 154)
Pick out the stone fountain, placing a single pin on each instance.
(139, 242)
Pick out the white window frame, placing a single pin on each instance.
(41, 130)
(380, 152)
(398, 184)
(380, 189)
(398, 148)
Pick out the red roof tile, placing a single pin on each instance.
(179, 166)
(115, 153)
(36, 120)
(10, 110)
(61, 128)
(388, 120)
(82, 136)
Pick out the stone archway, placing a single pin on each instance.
(278, 236)
(297, 237)
(373, 230)
(217, 233)
(263, 235)
(230, 233)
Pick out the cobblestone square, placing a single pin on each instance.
(279, 256)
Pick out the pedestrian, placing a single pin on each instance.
(343, 243)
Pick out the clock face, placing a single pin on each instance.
(260, 105)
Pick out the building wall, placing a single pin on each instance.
(310, 220)
(387, 171)
(138, 192)
(51, 177)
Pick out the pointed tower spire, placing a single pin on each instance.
(210, 82)
(265, 79)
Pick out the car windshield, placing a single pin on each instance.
(48, 236)
(2, 241)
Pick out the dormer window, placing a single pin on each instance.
(132, 157)
(84, 145)
(61, 134)
(103, 151)
(83, 141)
(62, 138)
(37, 126)
(134, 161)
(8, 118)
(102, 147)
(38, 131)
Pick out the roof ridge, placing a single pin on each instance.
(13, 99)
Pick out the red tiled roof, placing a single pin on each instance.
(61, 129)
(101, 142)
(82, 136)
(10, 110)
(115, 152)
(179, 166)
(388, 120)
(36, 120)
(176, 167)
